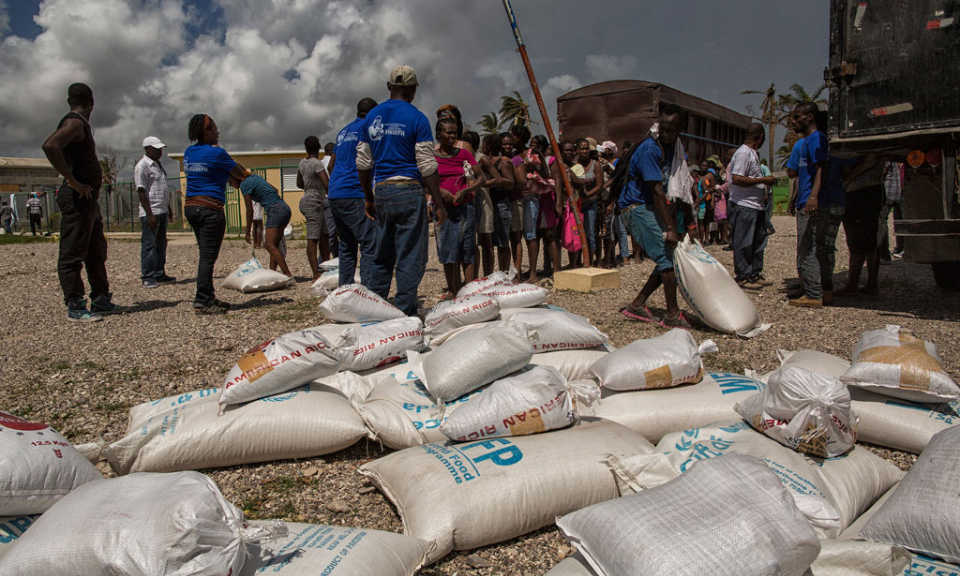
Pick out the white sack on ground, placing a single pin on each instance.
(400, 413)
(923, 514)
(330, 280)
(665, 361)
(473, 359)
(805, 411)
(559, 330)
(884, 421)
(378, 344)
(654, 413)
(251, 276)
(171, 524)
(356, 303)
(185, 433)
(481, 285)
(463, 496)
(332, 264)
(530, 402)
(314, 549)
(11, 529)
(279, 365)
(518, 295)
(575, 565)
(847, 558)
(38, 466)
(453, 314)
(733, 514)
(712, 294)
(573, 364)
(893, 363)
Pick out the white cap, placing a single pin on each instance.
(153, 142)
(403, 75)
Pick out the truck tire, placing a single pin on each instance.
(947, 275)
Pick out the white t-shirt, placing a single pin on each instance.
(746, 162)
(150, 175)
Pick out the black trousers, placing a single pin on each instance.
(82, 244)
(35, 224)
(208, 227)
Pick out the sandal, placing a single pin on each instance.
(643, 315)
(679, 321)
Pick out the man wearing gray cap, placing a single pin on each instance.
(395, 162)
(155, 212)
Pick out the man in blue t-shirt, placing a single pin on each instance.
(652, 220)
(815, 252)
(395, 162)
(354, 229)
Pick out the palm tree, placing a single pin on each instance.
(514, 110)
(769, 114)
(775, 110)
(489, 124)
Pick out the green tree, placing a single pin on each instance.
(775, 111)
(489, 124)
(514, 110)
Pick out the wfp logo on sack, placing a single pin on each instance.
(288, 396)
(464, 467)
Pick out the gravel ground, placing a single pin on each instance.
(82, 379)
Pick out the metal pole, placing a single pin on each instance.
(549, 127)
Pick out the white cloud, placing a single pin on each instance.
(601, 67)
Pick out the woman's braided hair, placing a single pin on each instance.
(197, 127)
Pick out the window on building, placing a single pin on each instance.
(288, 174)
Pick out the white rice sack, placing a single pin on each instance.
(463, 496)
(171, 524)
(848, 558)
(727, 516)
(185, 433)
(481, 285)
(665, 361)
(856, 481)
(332, 264)
(38, 466)
(11, 529)
(559, 330)
(473, 359)
(884, 421)
(805, 411)
(537, 400)
(573, 364)
(518, 295)
(400, 413)
(897, 364)
(575, 565)
(379, 344)
(313, 549)
(712, 294)
(330, 280)
(251, 276)
(923, 514)
(654, 413)
(279, 365)
(356, 303)
(453, 314)
(333, 330)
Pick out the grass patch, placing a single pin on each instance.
(17, 239)
(251, 506)
(296, 312)
(717, 363)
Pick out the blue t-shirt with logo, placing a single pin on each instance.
(793, 163)
(208, 169)
(344, 182)
(812, 152)
(392, 130)
(259, 190)
(648, 164)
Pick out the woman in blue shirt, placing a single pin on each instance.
(255, 189)
(207, 167)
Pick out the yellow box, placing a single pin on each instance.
(586, 279)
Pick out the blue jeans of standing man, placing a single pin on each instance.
(356, 232)
(749, 240)
(620, 232)
(817, 249)
(590, 227)
(401, 242)
(153, 248)
(332, 237)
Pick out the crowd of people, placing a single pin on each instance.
(371, 197)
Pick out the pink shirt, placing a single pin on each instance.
(452, 171)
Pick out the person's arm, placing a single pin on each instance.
(249, 203)
(141, 179)
(432, 184)
(365, 174)
(739, 166)
(811, 206)
(598, 175)
(324, 178)
(474, 185)
(427, 164)
(493, 177)
(333, 160)
(300, 180)
(520, 175)
(791, 173)
(739, 180)
(70, 131)
(794, 194)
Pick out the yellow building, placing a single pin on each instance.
(278, 167)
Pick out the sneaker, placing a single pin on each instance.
(103, 306)
(897, 254)
(77, 312)
(804, 302)
(771, 231)
(211, 309)
(749, 284)
(151, 283)
(679, 321)
(166, 279)
(221, 304)
(759, 279)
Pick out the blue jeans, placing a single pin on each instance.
(749, 240)
(278, 216)
(8, 226)
(589, 213)
(531, 213)
(457, 238)
(332, 236)
(401, 243)
(208, 227)
(153, 248)
(356, 231)
(817, 249)
(620, 232)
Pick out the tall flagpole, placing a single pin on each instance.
(546, 123)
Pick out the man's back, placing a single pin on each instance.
(344, 182)
(392, 130)
(81, 156)
(34, 206)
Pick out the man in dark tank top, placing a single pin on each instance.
(72, 151)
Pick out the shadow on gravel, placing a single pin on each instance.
(153, 305)
(260, 301)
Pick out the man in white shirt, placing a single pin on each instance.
(155, 213)
(333, 239)
(747, 201)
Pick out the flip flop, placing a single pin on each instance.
(643, 315)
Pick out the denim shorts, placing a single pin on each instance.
(278, 216)
(501, 223)
(531, 213)
(311, 206)
(647, 229)
(457, 238)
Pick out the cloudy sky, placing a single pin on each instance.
(271, 72)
